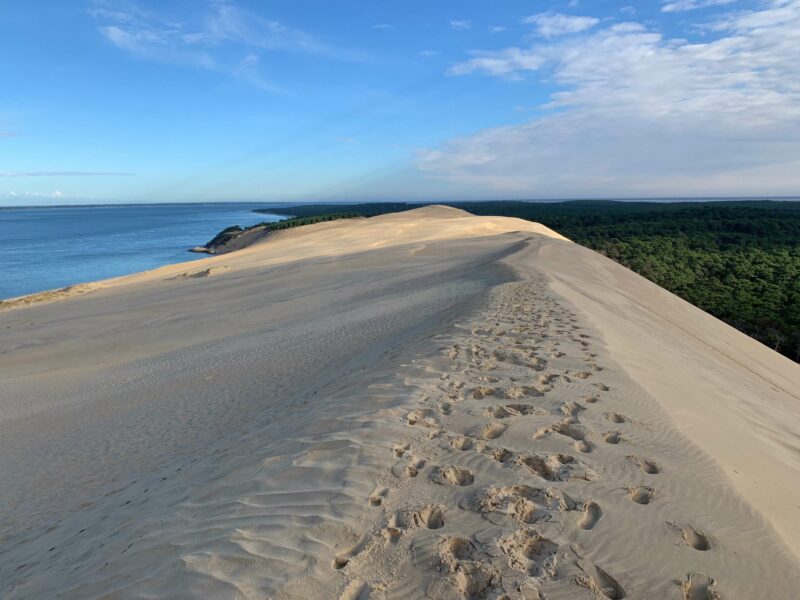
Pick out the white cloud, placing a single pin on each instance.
(460, 24)
(550, 24)
(506, 63)
(683, 5)
(640, 114)
(497, 29)
(225, 31)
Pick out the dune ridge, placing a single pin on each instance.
(424, 404)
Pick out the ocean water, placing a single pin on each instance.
(43, 248)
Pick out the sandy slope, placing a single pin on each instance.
(423, 403)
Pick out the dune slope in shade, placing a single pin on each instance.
(426, 404)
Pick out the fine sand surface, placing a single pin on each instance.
(427, 404)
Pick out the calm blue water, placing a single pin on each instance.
(46, 248)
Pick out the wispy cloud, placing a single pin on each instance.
(551, 24)
(212, 42)
(53, 194)
(249, 71)
(507, 63)
(62, 174)
(684, 5)
(456, 24)
(639, 113)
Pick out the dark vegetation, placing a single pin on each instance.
(231, 233)
(298, 221)
(739, 261)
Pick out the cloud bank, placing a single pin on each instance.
(641, 114)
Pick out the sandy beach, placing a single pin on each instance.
(426, 404)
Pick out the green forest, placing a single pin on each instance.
(739, 261)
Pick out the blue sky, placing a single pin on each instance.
(116, 100)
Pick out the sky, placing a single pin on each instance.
(244, 100)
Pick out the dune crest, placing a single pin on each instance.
(424, 404)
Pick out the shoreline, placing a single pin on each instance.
(49, 251)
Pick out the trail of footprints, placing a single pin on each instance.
(505, 363)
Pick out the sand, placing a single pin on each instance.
(428, 404)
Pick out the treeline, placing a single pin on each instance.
(299, 221)
(231, 233)
(739, 261)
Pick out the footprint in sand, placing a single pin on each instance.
(592, 400)
(616, 418)
(356, 590)
(431, 517)
(461, 443)
(647, 466)
(523, 503)
(613, 437)
(340, 561)
(601, 583)
(515, 392)
(696, 539)
(571, 409)
(413, 467)
(501, 455)
(394, 529)
(692, 537)
(642, 494)
(376, 498)
(553, 467)
(698, 586)
(497, 412)
(422, 416)
(567, 427)
(475, 580)
(519, 410)
(400, 449)
(456, 548)
(590, 516)
(530, 552)
(482, 391)
(454, 351)
(452, 475)
(493, 431)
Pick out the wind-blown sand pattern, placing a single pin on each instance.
(428, 404)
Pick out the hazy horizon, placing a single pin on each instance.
(274, 203)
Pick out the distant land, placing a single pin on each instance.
(412, 203)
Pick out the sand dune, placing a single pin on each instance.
(426, 404)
